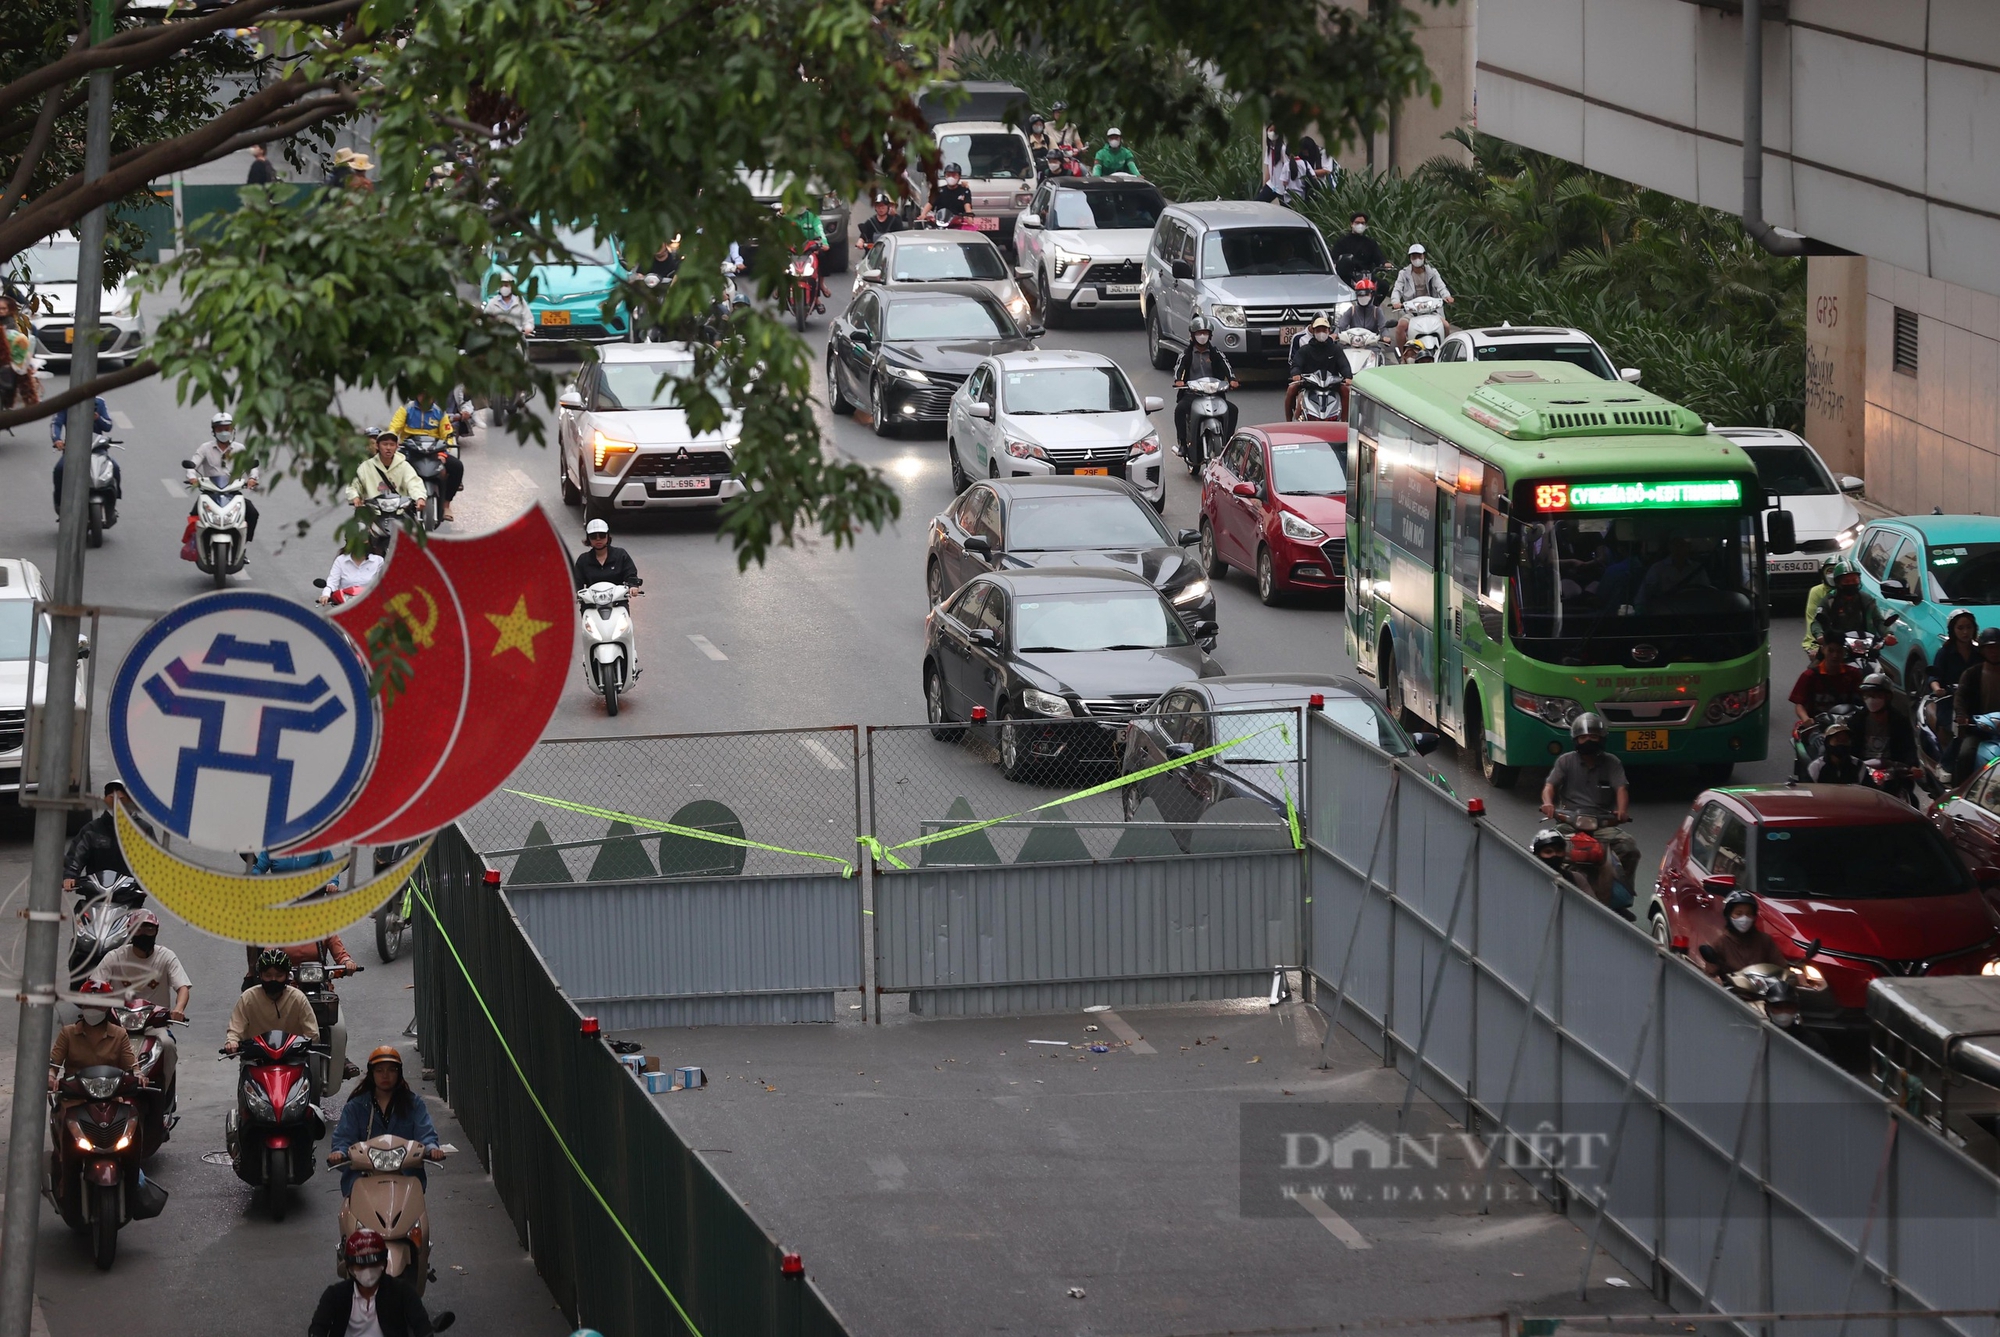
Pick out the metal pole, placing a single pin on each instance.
(38, 958)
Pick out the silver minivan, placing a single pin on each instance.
(1259, 272)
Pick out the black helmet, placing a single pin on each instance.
(273, 958)
(1736, 898)
(1587, 725)
(1989, 635)
(1548, 840)
(1200, 325)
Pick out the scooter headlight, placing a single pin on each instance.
(387, 1160)
(258, 1103)
(296, 1098)
(100, 1088)
(125, 1131)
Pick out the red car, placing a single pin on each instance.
(1865, 874)
(1275, 503)
(1969, 817)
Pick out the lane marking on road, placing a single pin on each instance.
(1123, 1030)
(120, 420)
(176, 487)
(1336, 1224)
(707, 647)
(827, 756)
(524, 480)
(889, 1172)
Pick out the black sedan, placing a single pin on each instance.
(1263, 710)
(903, 353)
(1057, 660)
(1009, 524)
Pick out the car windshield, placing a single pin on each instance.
(947, 318)
(1790, 471)
(1088, 520)
(1586, 356)
(1966, 573)
(1114, 620)
(936, 262)
(1049, 390)
(638, 385)
(53, 262)
(987, 156)
(1125, 207)
(1275, 733)
(585, 249)
(1241, 251)
(1858, 863)
(1307, 469)
(15, 621)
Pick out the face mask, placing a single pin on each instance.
(1741, 923)
(1364, 298)
(506, 291)
(143, 946)
(1416, 264)
(1321, 336)
(368, 1278)
(223, 438)
(1360, 228)
(1202, 338)
(94, 1016)
(1589, 747)
(1271, 138)
(274, 988)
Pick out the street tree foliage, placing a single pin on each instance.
(503, 126)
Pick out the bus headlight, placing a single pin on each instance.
(1734, 705)
(1556, 710)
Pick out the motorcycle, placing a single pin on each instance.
(270, 1132)
(221, 535)
(1426, 334)
(341, 595)
(427, 456)
(1864, 651)
(389, 1199)
(1610, 883)
(1208, 422)
(392, 917)
(802, 294)
(315, 980)
(1773, 991)
(1066, 160)
(1898, 782)
(1809, 739)
(95, 1182)
(144, 1022)
(610, 650)
(1363, 349)
(104, 490)
(106, 901)
(1321, 398)
(387, 513)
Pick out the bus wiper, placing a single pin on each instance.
(1043, 650)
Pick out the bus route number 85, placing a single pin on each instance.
(1552, 497)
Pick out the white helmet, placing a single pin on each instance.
(597, 527)
(221, 426)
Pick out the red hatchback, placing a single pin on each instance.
(1275, 503)
(1864, 874)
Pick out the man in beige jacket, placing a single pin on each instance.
(271, 1005)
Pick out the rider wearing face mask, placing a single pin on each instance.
(1741, 944)
(509, 306)
(1357, 254)
(144, 969)
(1199, 359)
(1313, 351)
(1364, 314)
(1838, 763)
(370, 1303)
(1419, 278)
(1590, 782)
(271, 1004)
(93, 1040)
(952, 198)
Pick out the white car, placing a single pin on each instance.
(915, 259)
(51, 280)
(1824, 519)
(1534, 343)
(20, 586)
(1082, 243)
(623, 441)
(1043, 412)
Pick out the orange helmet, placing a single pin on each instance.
(384, 1054)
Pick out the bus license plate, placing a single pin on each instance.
(980, 224)
(1645, 740)
(555, 317)
(1092, 473)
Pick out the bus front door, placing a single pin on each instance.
(1450, 624)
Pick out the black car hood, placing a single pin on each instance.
(1161, 567)
(954, 358)
(1096, 674)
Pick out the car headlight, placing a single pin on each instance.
(1046, 703)
(1065, 259)
(1295, 528)
(1194, 591)
(1147, 445)
(1018, 305)
(1341, 308)
(1025, 450)
(1734, 705)
(1990, 968)
(906, 374)
(1810, 978)
(608, 454)
(1232, 316)
(1845, 538)
(1557, 710)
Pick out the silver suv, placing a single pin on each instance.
(1259, 272)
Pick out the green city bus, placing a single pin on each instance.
(1528, 542)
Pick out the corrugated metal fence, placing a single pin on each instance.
(1747, 1171)
(721, 1265)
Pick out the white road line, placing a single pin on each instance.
(707, 647)
(176, 487)
(1123, 1031)
(1336, 1224)
(525, 481)
(827, 756)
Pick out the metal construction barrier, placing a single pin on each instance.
(1737, 1169)
(576, 1147)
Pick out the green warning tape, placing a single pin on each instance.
(542, 1110)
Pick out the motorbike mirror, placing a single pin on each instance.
(1709, 954)
(1629, 374)
(1720, 885)
(1153, 403)
(1244, 490)
(1424, 743)
(1184, 537)
(1780, 534)
(979, 410)
(319, 582)
(187, 464)
(1183, 270)
(977, 546)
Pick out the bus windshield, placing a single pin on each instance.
(1690, 578)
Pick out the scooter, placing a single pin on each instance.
(95, 1181)
(386, 516)
(104, 490)
(106, 901)
(340, 596)
(1773, 991)
(802, 295)
(147, 1023)
(315, 980)
(392, 917)
(1613, 885)
(271, 1131)
(1426, 334)
(1319, 399)
(389, 1199)
(1208, 422)
(1898, 782)
(1864, 651)
(1066, 160)
(221, 526)
(610, 650)
(1809, 739)
(1363, 349)
(427, 456)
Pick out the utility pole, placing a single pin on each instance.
(25, 1153)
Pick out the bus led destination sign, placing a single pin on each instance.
(1637, 496)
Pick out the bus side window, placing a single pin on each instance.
(1466, 542)
(1360, 486)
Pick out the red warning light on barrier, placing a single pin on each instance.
(979, 714)
(1680, 942)
(1475, 807)
(792, 1265)
(1317, 701)
(493, 877)
(589, 1026)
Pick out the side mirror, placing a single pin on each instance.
(1812, 948)
(1206, 631)
(1986, 875)
(1180, 749)
(187, 464)
(985, 636)
(1244, 490)
(1780, 534)
(1183, 270)
(1897, 590)
(571, 400)
(1503, 554)
(1709, 954)
(1183, 537)
(1425, 743)
(1849, 483)
(977, 546)
(1034, 331)
(1029, 219)
(861, 338)
(319, 582)
(979, 410)
(871, 276)
(1629, 374)
(1153, 403)
(1720, 885)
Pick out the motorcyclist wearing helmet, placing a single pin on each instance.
(1976, 710)
(1312, 351)
(811, 241)
(1838, 763)
(1829, 572)
(370, 1301)
(600, 562)
(1364, 314)
(1590, 782)
(272, 1004)
(885, 221)
(95, 848)
(424, 417)
(1040, 142)
(143, 969)
(382, 1104)
(93, 1040)
(1114, 157)
(1741, 944)
(1065, 135)
(1828, 682)
(100, 424)
(1418, 278)
(386, 471)
(1552, 848)
(215, 462)
(952, 198)
(1201, 358)
(1882, 733)
(1357, 254)
(1846, 609)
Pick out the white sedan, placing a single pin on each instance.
(1041, 412)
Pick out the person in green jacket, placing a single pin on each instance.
(812, 237)
(1114, 156)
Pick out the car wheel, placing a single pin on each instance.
(959, 480)
(835, 400)
(1014, 754)
(1662, 933)
(1268, 591)
(1212, 564)
(934, 582)
(1494, 773)
(1162, 356)
(572, 495)
(1391, 684)
(934, 707)
(883, 427)
(1055, 313)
